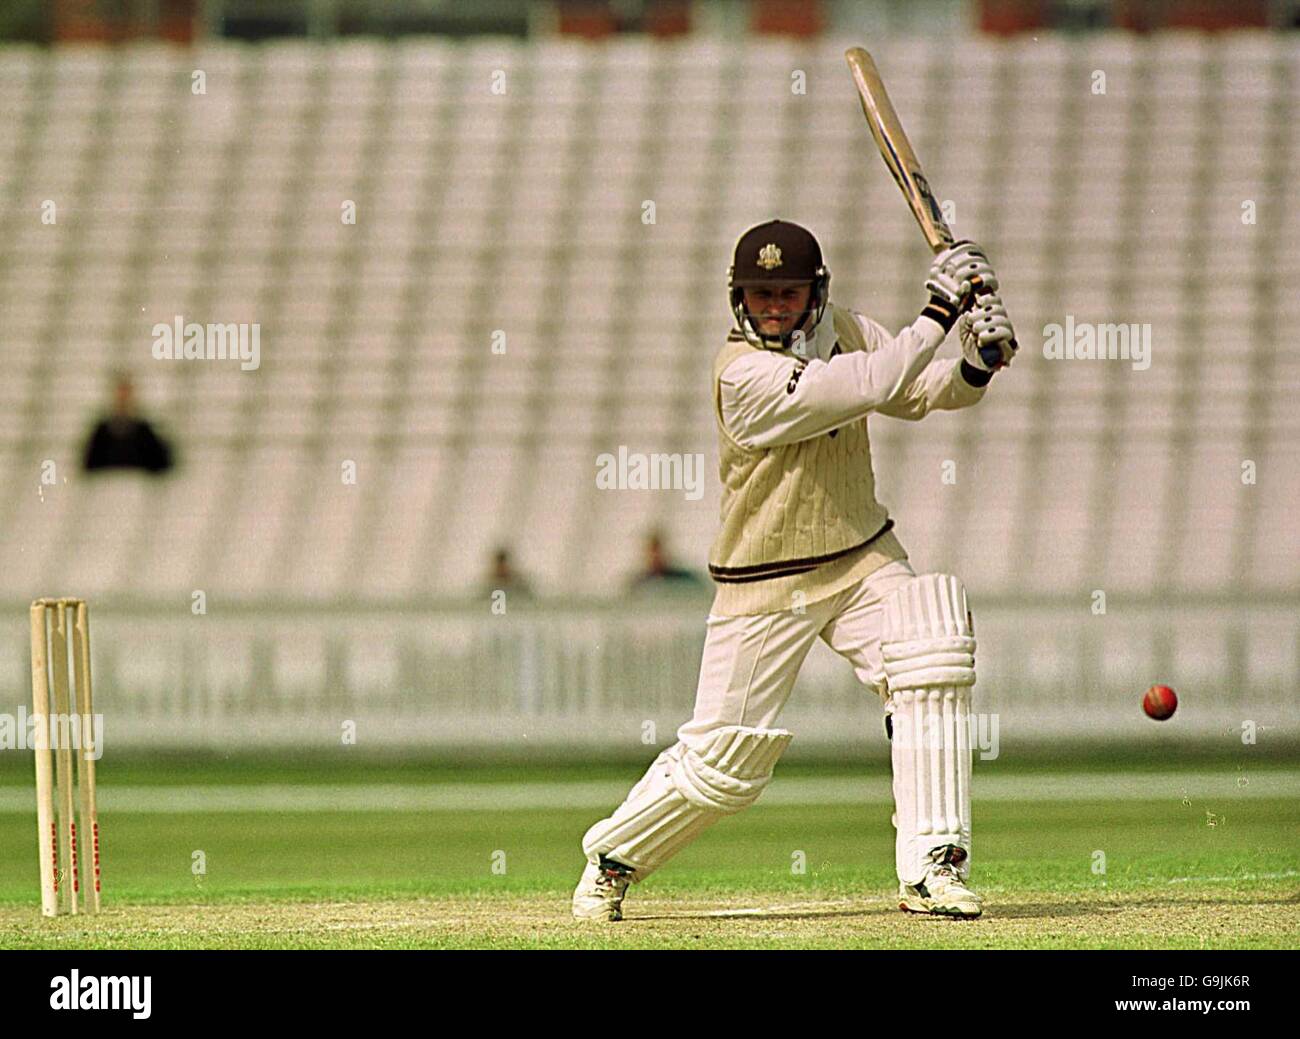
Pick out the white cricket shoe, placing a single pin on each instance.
(942, 892)
(599, 895)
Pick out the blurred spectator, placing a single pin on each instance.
(659, 572)
(122, 440)
(503, 577)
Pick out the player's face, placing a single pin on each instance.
(774, 311)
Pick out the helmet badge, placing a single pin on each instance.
(769, 257)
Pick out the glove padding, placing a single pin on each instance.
(988, 342)
(944, 287)
(958, 271)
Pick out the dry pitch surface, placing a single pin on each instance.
(1262, 913)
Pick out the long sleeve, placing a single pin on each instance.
(940, 386)
(770, 399)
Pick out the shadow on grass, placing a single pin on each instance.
(797, 911)
(1071, 907)
(1086, 907)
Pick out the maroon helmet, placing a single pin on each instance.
(774, 255)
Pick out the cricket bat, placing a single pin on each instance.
(896, 149)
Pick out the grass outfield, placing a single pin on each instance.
(311, 856)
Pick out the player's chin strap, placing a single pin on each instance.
(928, 648)
(817, 301)
(685, 791)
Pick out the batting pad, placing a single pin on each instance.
(928, 647)
(685, 791)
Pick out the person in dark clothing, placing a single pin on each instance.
(503, 577)
(123, 440)
(659, 572)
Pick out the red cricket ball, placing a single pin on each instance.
(1160, 702)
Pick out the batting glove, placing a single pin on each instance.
(988, 342)
(967, 263)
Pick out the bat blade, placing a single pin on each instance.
(896, 149)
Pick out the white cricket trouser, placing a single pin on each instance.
(750, 663)
(725, 753)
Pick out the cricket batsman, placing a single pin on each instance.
(806, 552)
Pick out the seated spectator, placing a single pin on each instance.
(660, 573)
(503, 577)
(122, 440)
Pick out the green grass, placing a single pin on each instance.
(383, 878)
